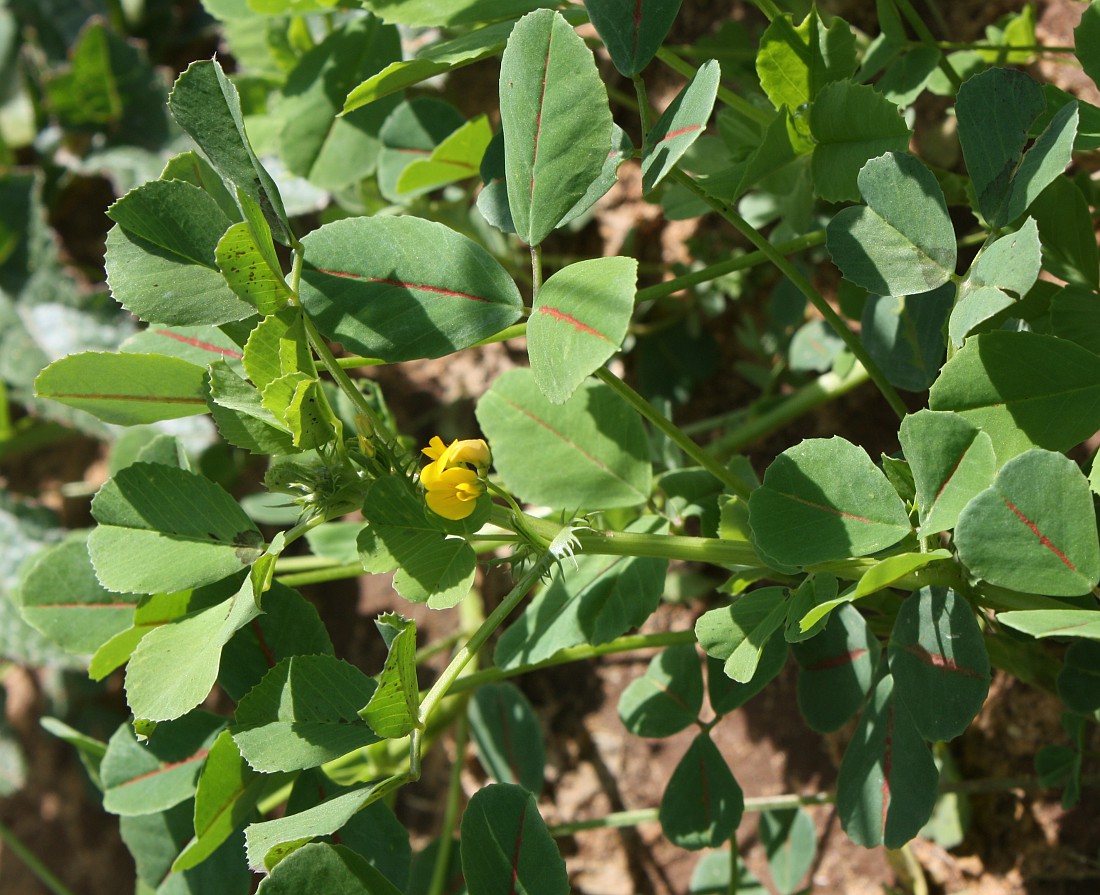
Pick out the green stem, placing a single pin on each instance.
(628, 643)
(480, 637)
(999, 48)
(731, 99)
(450, 810)
(644, 112)
(714, 271)
(770, 10)
(734, 482)
(802, 284)
(32, 862)
(536, 272)
(928, 39)
(319, 576)
(825, 388)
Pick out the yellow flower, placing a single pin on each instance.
(451, 487)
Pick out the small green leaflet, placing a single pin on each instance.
(1054, 622)
(795, 63)
(456, 158)
(393, 709)
(319, 867)
(681, 124)
(127, 389)
(508, 737)
(702, 803)
(737, 633)
(667, 698)
(632, 30)
(247, 260)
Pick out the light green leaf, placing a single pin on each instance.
(1024, 389)
(402, 533)
(738, 633)
(579, 320)
(241, 417)
(1034, 528)
(303, 713)
(411, 132)
(246, 258)
(456, 158)
(127, 389)
(205, 104)
(952, 461)
(681, 124)
(278, 346)
(556, 121)
(851, 124)
(400, 288)
(589, 452)
(175, 665)
(452, 12)
(1054, 622)
(789, 838)
(794, 64)
(393, 709)
(334, 152)
(823, 500)
(199, 345)
(902, 241)
(145, 544)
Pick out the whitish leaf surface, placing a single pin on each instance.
(680, 125)
(901, 242)
(144, 542)
(1024, 389)
(589, 452)
(127, 389)
(824, 499)
(579, 320)
(1034, 528)
(556, 121)
(400, 288)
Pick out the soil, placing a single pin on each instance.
(1018, 841)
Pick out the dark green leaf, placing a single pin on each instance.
(725, 694)
(632, 30)
(1079, 677)
(508, 737)
(790, 842)
(904, 335)
(322, 869)
(702, 803)
(667, 698)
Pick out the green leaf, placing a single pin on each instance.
(303, 713)
(147, 778)
(226, 794)
(952, 461)
(393, 709)
(702, 803)
(938, 662)
(241, 417)
(192, 168)
(836, 670)
(60, 596)
(738, 633)
(556, 121)
(790, 842)
(144, 544)
(851, 123)
(330, 151)
(904, 335)
(289, 626)
(400, 288)
(435, 59)
(599, 600)
(402, 533)
(1086, 39)
(680, 125)
(886, 571)
(1034, 528)
(1054, 622)
(579, 320)
(1075, 316)
(453, 12)
(205, 104)
(725, 694)
(589, 452)
(1079, 676)
(905, 79)
(411, 132)
(320, 869)
(823, 500)
(127, 389)
(632, 31)
(269, 842)
(1025, 389)
(794, 64)
(456, 158)
(667, 698)
(719, 873)
(886, 788)
(175, 665)
(1011, 264)
(247, 260)
(995, 110)
(278, 346)
(902, 241)
(508, 737)
(506, 847)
